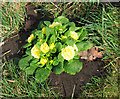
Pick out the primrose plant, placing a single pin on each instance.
(54, 48)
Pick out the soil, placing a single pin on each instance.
(63, 83)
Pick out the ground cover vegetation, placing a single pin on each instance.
(102, 24)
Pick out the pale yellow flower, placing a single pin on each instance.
(43, 61)
(44, 48)
(68, 53)
(41, 40)
(54, 24)
(52, 46)
(48, 55)
(44, 30)
(31, 38)
(64, 37)
(35, 52)
(75, 47)
(74, 35)
(51, 61)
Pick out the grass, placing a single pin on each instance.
(102, 22)
(15, 83)
(12, 18)
(104, 32)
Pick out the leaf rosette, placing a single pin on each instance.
(54, 47)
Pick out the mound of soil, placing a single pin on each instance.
(63, 83)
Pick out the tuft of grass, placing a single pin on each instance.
(103, 31)
(12, 18)
(15, 83)
(103, 86)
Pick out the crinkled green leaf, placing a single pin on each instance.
(38, 44)
(73, 67)
(70, 42)
(30, 70)
(58, 46)
(83, 35)
(42, 74)
(23, 63)
(48, 32)
(41, 25)
(49, 66)
(52, 39)
(36, 32)
(55, 61)
(27, 45)
(60, 58)
(62, 20)
(47, 23)
(84, 45)
(58, 69)
(28, 51)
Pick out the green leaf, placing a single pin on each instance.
(23, 63)
(58, 69)
(49, 66)
(41, 25)
(36, 32)
(60, 58)
(52, 39)
(42, 74)
(62, 20)
(38, 44)
(30, 70)
(48, 32)
(55, 61)
(28, 51)
(73, 67)
(71, 24)
(84, 45)
(41, 35)
(70, 42)
(53, 50)
(83, 35)
(33, 65)
(27, 45)
(58, 46)
(47, 23)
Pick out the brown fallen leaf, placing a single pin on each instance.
(90, 54)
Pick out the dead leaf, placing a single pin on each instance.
(90, 54)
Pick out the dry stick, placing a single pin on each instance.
(112, 64)
(73, 92)
(6, 53)
(56, 6)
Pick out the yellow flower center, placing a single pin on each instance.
(44, 30)
(68, 53)
(30, 38)
(35, 52)
(54, 24)
(41, 40)
(64, 37)
(43, 61)
(44, 48)
(51, 61)
(52, 46)
(74, 35)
